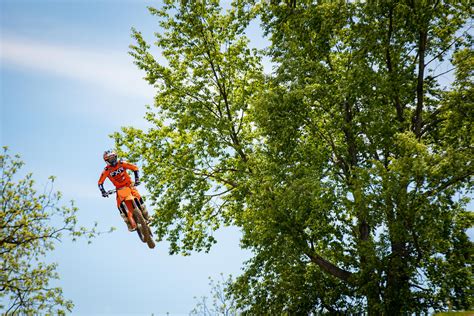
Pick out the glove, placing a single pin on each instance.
(102, 190)
(137, 178)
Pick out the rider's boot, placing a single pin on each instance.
(129, 226)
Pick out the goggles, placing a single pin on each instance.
(111, 160)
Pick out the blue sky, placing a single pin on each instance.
(67, 82)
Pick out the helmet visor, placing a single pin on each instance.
(111, 160)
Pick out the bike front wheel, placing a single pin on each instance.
(143, 230)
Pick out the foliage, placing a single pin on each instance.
(466, 313)
(222, 303)
(347, 168)
(30, 224)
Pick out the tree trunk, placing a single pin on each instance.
(368, 278)
(417, 120)
(397, 287)
(396, 291)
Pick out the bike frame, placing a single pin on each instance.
(125, 196)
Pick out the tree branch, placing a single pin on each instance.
(389, 63)
(448, 47)
(450, 182)
(330, 267)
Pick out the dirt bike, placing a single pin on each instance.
(131, 204)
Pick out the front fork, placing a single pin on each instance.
(141, 205)
(127, 215)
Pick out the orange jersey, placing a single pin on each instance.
(118, 174)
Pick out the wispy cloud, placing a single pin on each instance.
(113, 71)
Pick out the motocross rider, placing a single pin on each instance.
(116, 171)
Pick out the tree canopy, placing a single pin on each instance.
(347, 168)
(30, 224)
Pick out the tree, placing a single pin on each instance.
(198, 149)
(346, 169)
(30, 223)
(222, 303)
